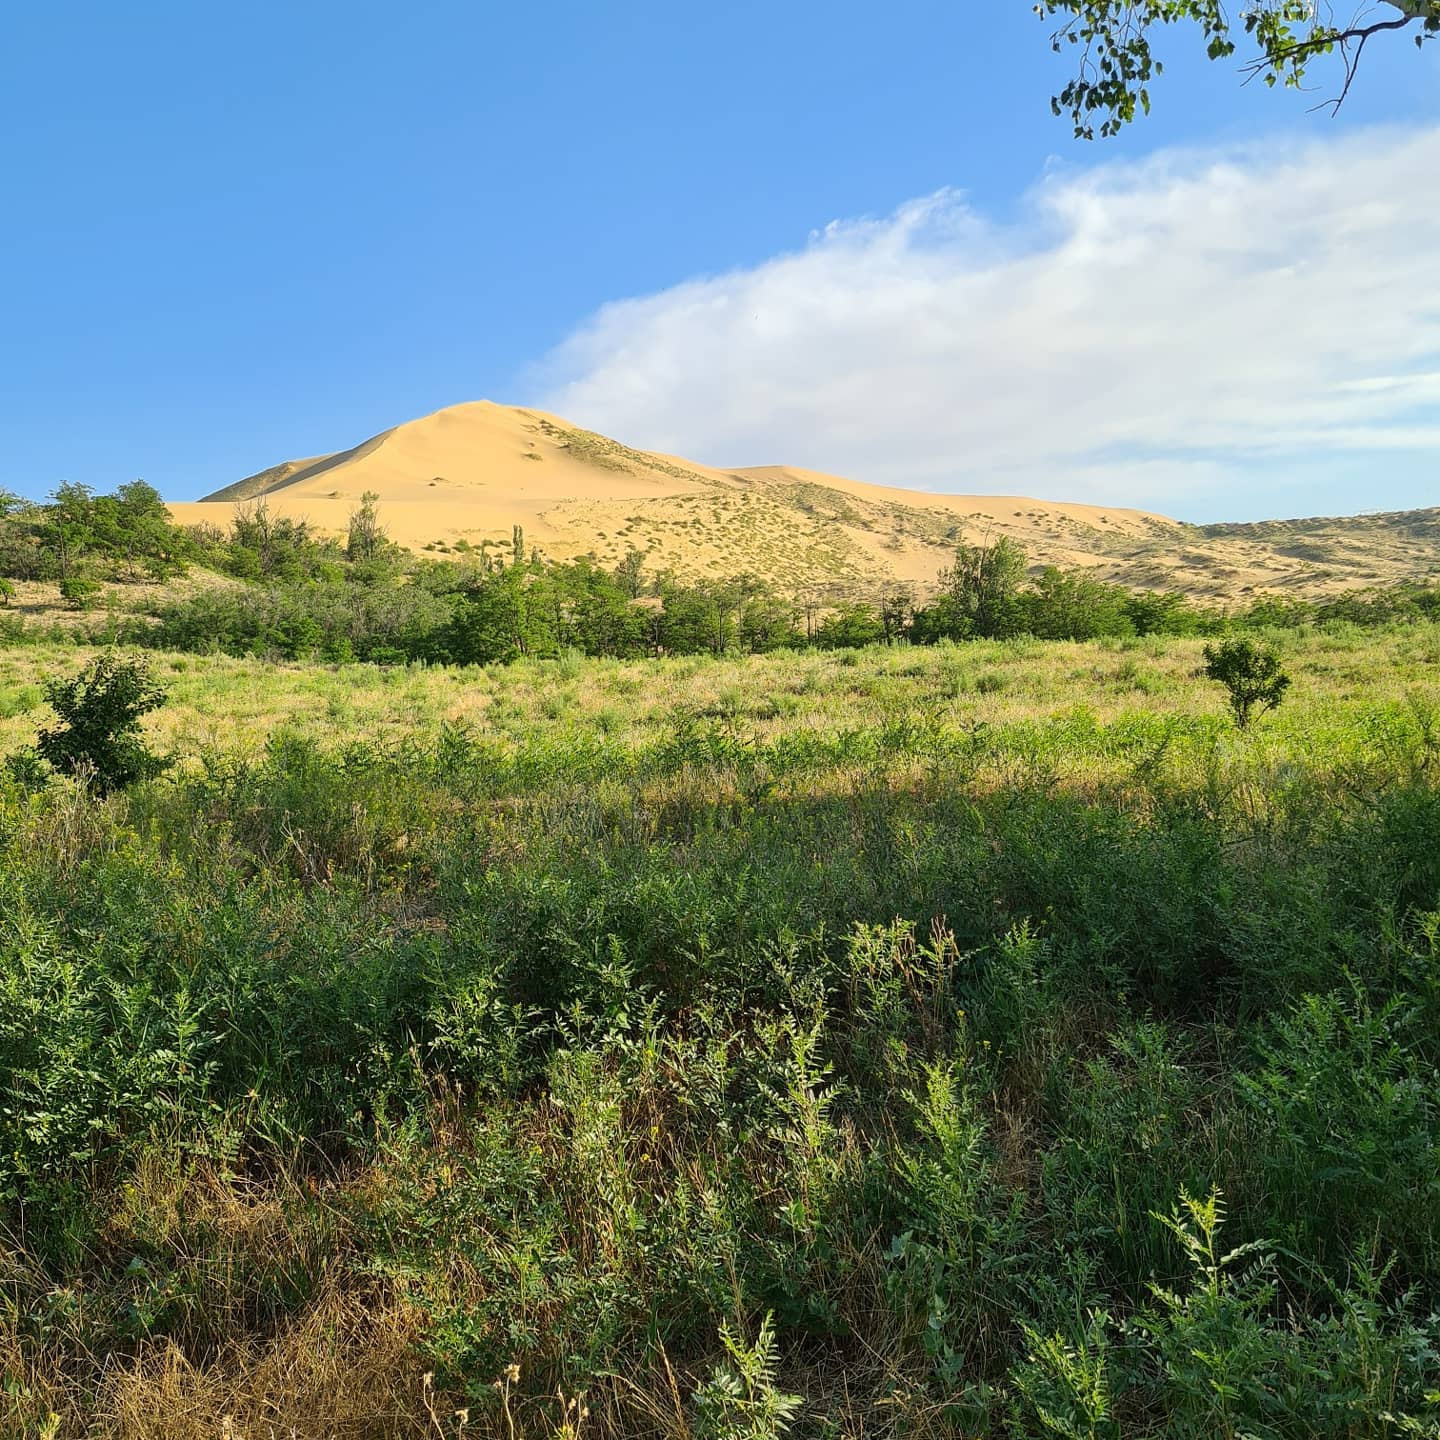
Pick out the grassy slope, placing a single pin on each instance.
(537, 1016)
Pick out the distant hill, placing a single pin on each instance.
(466, 475)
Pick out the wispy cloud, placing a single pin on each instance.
(1174, 333)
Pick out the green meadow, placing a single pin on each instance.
(976, 1039)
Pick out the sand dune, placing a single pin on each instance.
(471, 472)
(466, 475)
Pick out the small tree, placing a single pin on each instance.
(69, 523)
(896, 607)
(367, 539)
(99, 730)
(630, 572)
(982, 587)
(1252, 675)
(851, 626)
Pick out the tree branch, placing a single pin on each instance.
(1324, 40)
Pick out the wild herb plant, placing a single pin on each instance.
(742, 1400)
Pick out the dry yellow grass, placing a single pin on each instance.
(38, 603)
(344, 1371)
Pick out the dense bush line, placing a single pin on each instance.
(464, 614)
(80, 535)
(80, 538)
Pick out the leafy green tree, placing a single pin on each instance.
(768, 622)
(1161, 612)
(698, 618)
(100, 709)
(1113, 41)
(983, 586)
(366, 539)
(132, 529)
(503, 616)
(896, 607)
(1071, 605)
(1252, 675)
(943, 619)
(21, 556)
(850, 627)
(629, 573)
(123, 535)
(68, 527)
(593, 611)
(814, 600)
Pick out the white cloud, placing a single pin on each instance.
(1162, 333)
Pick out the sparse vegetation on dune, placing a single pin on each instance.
(583, 494)
(980, 1038)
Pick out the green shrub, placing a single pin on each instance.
(77, 592)
(1344, 1128)
(98, 737)
(1252, 675)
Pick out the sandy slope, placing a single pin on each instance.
(468, 474)
(472, 472)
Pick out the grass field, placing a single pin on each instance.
(221, 706)
(961, 1041)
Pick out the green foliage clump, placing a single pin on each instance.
(78, 535)
(979, 594)
(1252, 675)
(77, 591)
(273, 548)
(1118, 65)
(98, 737)
(851, 627)
(741, 1400)
(1071, 605)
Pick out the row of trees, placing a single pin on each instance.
(496, 607)
(80, 538)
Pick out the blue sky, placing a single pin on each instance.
(237, 234)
